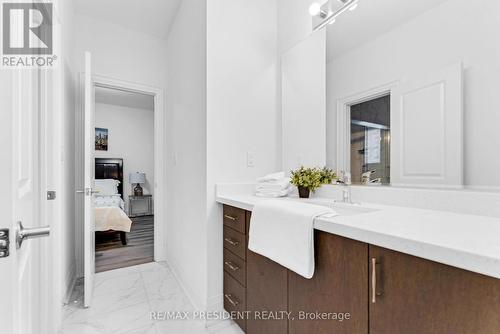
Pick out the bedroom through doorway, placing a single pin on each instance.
(124, 178)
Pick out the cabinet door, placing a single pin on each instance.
(266, 292)
(339, 285)
(417, 296)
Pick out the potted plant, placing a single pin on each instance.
(310, 179)
(328, 176)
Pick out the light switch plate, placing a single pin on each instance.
(174, 158)
(250, 159)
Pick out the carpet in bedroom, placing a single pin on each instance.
(111, 254)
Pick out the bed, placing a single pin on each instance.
(109, 207)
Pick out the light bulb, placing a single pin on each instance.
(315, 9)
(353, 7)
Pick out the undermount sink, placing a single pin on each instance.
(343, 209)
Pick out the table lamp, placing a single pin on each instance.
(137, 178)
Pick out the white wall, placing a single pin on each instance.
(242, 111)
(122, 54)
(221, 104)
(186, 143)
(294, 23)
(445, 35)
(131, 138)
(303, 96)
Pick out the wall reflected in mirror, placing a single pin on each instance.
(441, 78)
(370, 142)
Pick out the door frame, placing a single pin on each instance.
(160, 154)
(343, 110)
(51, 210)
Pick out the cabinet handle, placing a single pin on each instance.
(231, 242)
(231, 266)
(231, 300)
(377, 283)
(230, 217)
(374, 280)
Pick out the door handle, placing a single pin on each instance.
(87, 191)
(30, 233)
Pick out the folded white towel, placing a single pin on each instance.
(272, 177)
(272, 193)
(283, 231)
(273, 186)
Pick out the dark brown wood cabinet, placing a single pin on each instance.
(384, 291)
(418, 296)
(234, 248)
(267, 291)
(339, 285)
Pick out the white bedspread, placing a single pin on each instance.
(111, 218)
(109, 200)
(109, 214)
(283, 231)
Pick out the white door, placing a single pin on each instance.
(22, 284)
(89, 234)
(426, 130)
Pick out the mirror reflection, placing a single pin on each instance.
(370, 141)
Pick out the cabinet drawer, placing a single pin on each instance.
(235, 266)
(235, 218)
(234, 298)
(235, 242)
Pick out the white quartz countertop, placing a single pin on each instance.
(465, 241)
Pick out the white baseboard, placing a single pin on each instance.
(491, 189)
(71, 278)
(195, 300)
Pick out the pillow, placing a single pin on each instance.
(107, 186)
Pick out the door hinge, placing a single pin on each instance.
(51, 195)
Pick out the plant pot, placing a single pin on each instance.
(304, 192)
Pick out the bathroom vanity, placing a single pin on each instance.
(374, 288)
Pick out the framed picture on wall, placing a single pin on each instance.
(101, 139)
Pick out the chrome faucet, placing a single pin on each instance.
(345, 181)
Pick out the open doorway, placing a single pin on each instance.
(124, 178)
(370, 141)
(131, 195)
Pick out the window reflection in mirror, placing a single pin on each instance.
(370, 141)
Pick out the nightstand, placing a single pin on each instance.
(140, 205)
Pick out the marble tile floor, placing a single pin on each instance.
(124, 299)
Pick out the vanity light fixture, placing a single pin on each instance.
(316, 10)
(331, 17)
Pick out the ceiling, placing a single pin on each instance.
(371, 19)
(123, 98)
(153, 17)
